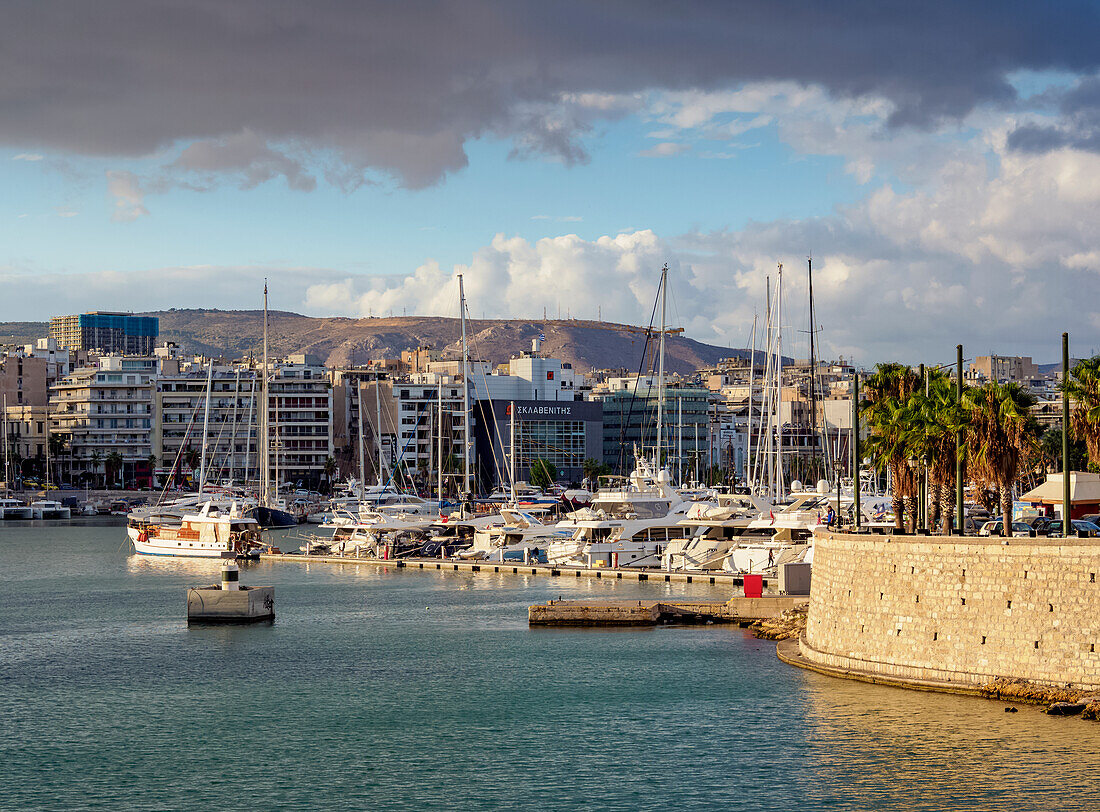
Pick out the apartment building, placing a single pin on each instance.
(103, 410)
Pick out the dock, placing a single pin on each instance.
(519, 568)
(654, 613)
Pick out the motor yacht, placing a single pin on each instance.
(50, 509)
(11, 508)
(209, 533)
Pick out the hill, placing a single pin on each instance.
(344, 341)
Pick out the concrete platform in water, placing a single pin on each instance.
(230, 602)
(657, 612)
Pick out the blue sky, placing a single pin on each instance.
(936, 159)
(60, 217)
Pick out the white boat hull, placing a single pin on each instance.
(151, 545)
(18, 513)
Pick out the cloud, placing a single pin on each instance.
(1078, 126)
(65, 211)
(129, 197)
(247, 154)
(399, 89)
(666, 149)
(46, 293)
(27, 156)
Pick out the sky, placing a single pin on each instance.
(939, 161)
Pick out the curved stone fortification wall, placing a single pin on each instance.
(957, 611)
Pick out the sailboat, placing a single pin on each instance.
(271, 511)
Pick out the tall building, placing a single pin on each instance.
(300, 421)
(630, 422)
(563, 432)
(230, 424)
(122, 333)
(103, 410)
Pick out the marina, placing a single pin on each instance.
(432, 679)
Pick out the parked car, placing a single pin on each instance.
(993, 528)
(1090, 529)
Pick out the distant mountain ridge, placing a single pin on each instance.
(339, 341)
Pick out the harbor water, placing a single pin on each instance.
(396, 689)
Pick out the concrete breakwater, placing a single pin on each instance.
(653, 613)
(955, 613)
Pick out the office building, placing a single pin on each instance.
(122, 333)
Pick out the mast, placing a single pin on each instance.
(205, 425)
(661, 366)
(265, 449)
(779, 383)
(748, 436)
(467, 490)
(362, 453)
(680, 439)
(7, 473)
(46, 425)
(378, 426)
(813, 377)
(248, 433)
(233, 434)
(278, 448)
(512, 449)
(439, 445)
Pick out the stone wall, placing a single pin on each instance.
(957, 611)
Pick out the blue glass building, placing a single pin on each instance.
(107, 332)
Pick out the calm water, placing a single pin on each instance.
(415, 690)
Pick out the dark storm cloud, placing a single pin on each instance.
(1078, 127)
(401, 86)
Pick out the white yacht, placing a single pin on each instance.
(210, 533)
(14, 509)
(714, 531)
(628, 524)
(519, 535)
(49, 509)
(366, 535)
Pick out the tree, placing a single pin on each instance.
(936, 419)
(152, 460)
(1083, 387)
(114, 464)
(96, 458)
(887, 393)
(542, 473)
(1002, 433)
(329, 471)
(1050, 450)
(594, 469)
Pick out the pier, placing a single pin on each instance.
(519, 568)
(655, 613)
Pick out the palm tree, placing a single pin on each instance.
(885, 407)
(937, 418)
(1002, 434)
(96, 458)
(114, 465)
(1083, 387)
(329, 470)
(152, 460)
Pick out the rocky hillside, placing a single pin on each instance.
(342, 341)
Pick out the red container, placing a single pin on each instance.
(754, 586)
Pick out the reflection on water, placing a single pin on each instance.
(899, 749)
(203, 568)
